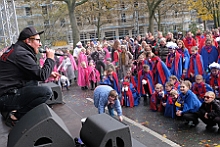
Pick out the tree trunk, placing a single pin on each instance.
(159, 20)
(73, 23)
(215, 20)
(151, 23)
(98, 26)
(204, 23)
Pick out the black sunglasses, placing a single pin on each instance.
(36, 39)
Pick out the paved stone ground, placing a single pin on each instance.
(150, 128)
(167, 127)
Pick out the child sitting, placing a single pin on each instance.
(111, 79)
(174, 80)
(199, 87)
(131, 78)
(168, 102)
(156, 97)
(127, 97)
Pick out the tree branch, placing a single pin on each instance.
(156, 4)
(155, 18)
(66, 1)
(80, 3)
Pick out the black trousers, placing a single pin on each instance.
(99, 66)
(147, 89)
(190, 116)
(210, 122)
(25, 99)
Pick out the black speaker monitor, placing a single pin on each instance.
(57, 97)
(104, 131)
(41, 127)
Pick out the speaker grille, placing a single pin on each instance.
(40, 126)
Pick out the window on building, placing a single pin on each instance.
(79, 21)
(46, 23)
(122, 5)
(134, 32)
(44, 10)
(175, 14)
(136, 15)
(30, 23)
(122, 33)
(82, 36)
(62, 22)
(141, 31)
(70, 38)
(93, 35)
(135, 4)
(123, 17)
(28, 11)
(110, 35)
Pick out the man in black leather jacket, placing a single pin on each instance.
(209, 112)
(20, 73)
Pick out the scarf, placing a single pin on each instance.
(191, 65)
(189, 40)
(176, 85)
(140, 65)
(132, 80)
(208, 48)
(181, 51)
(214, 80)
(179, 102)
(169, 60)
(199, 89)
(170, 99)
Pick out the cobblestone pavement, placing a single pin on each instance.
(167, 127)
(150, 128)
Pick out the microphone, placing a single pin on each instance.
(44, 51)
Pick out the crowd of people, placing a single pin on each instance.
(177, 76)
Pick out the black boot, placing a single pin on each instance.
(92, 85)
(145, 100)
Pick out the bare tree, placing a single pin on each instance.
(71, 5)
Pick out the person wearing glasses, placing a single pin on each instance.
(106, 96)
(19, 76)
(209, 112)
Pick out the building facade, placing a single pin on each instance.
(50, 16)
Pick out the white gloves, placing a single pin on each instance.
(144, 82)
(124, 89)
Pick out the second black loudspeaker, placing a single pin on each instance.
(57, 97)
(41, 127)
(102, 130)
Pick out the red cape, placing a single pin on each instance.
(140, 87)
(132, 81)
(198, 64)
